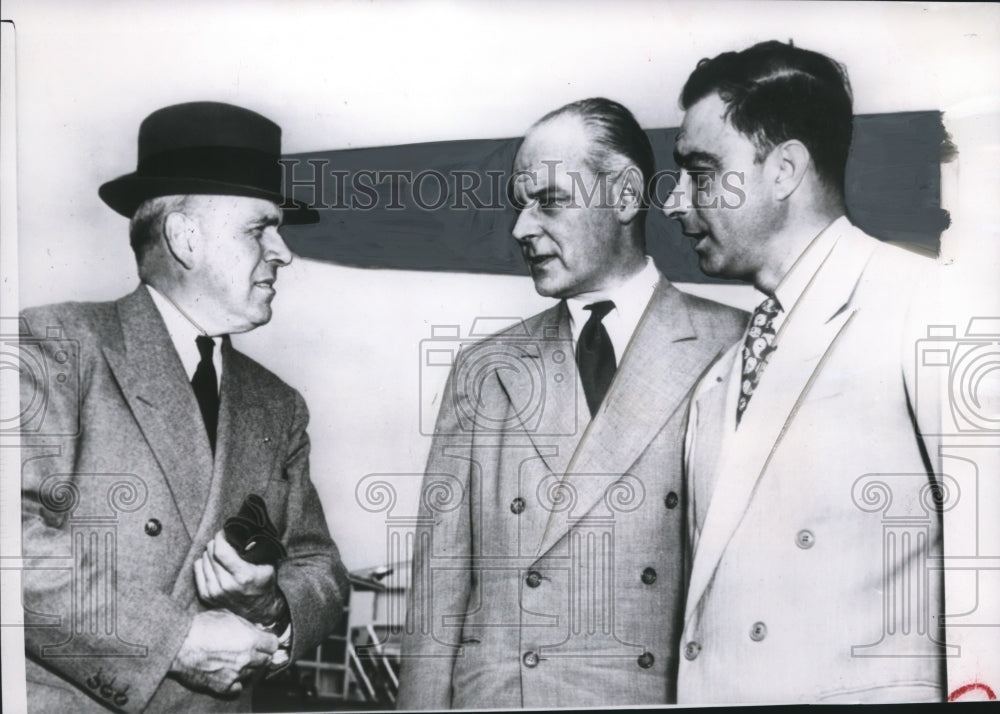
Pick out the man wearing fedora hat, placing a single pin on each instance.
(158, 431)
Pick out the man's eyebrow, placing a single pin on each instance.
(266, 221)
(544, 191)
(696, 157)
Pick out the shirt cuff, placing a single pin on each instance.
(281, 655)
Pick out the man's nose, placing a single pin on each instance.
(275, 250)
(526, 225)
(678, 203)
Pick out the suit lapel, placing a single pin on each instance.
(548, 485)
(808, 334)
(243, 457)
(553, 432)
(538, 375)
(655, 376)
(710, 405)
(154, 384)
(245, 447)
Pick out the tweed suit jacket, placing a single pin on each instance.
(816, 573)
(121, 493)
(549, 561)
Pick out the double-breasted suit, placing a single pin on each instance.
(813, 574)
(121, 493)
(549, 561)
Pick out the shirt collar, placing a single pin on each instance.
(794, 282)
(630, 299)
(183, 333)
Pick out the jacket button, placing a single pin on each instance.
(534, 579)
(805, 539)
(153, 527)
(107, 689)
(758, 631)
(649, 576)
(530, 659)
(121, 699)
(646, 660)
(671, 500)
(517, 506)
(691, 650)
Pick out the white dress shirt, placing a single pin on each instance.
(630, 299)
(793, 284)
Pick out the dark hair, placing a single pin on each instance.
(614, 132)
(775, 92)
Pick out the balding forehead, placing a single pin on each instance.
(573, 127)
(563, 138)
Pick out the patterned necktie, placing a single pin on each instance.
(595, 355)
(206, 388)
(757, 347)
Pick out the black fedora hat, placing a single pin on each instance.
(206, 148)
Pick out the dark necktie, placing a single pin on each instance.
(757, 347)
(206, 388)
(595, 355)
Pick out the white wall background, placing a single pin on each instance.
(353, 74)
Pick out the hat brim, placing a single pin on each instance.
(125, 193)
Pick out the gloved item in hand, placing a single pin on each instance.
(253, 535)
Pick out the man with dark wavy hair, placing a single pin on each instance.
(792, 596)
(549, 567)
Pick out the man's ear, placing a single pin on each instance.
(793, 162)
(181, 234)
(627, 189)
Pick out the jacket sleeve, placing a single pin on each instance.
(441, 578)
(945, 354)
(108, 635)
(312, 577)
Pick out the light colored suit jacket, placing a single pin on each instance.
(549, 561)
(121, 495)
(811, 577)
